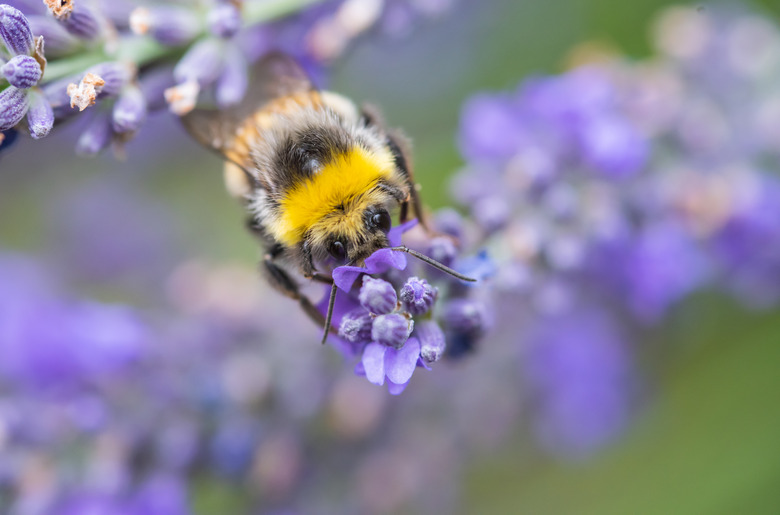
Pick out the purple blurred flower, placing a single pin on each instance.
(579, 372)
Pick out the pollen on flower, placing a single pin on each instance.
(61, 9)
(140, 20)
(85, 93)
(182, 98)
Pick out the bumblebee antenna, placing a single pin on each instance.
(434, 263)
(329, 316)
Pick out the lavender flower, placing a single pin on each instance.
(377, 296)
(214, 48)
(417, 296)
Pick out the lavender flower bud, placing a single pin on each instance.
(355, 326)
(464, 316)
(377, 296)
(392, 330)
(59, 41)
(171, 26)
(443, 250)
(13, 105)
(40, 116)
(202, 63)
(432, 344)
(15, 31)
(82, 23)
(449, 222)
(153, 84)
(115, 75)
(96, 136)
(22, 71)
(129, 110)
(224, 20)
(234, 79)
(417, 296)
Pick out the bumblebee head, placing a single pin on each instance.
(355, 242)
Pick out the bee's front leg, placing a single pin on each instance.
(281, 281)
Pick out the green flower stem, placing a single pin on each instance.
(142, 50)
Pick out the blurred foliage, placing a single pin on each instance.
(707, 444)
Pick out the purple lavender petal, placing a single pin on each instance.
(59, 42)
(400, 363)
(169, 25)
(129, 110)
(431, 338)
(392, 329)
(489, 128)
(40, 116)
(233, 80)
(22, 71)
(203, 63)
(96, 136)
(417, 296)
(612, 146)
(115, 74)
(377, 263)
(579, 369)
(161, 494)
(394, 234)
(373, 361)
(13, 106)
(224, 20)
(82, 23)
(377, 296)
(355, 325)
(15, 31)
(395, 388)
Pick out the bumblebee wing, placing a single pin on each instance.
(228, 131)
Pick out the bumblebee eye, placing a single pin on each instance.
(382, 220)
(337, 250)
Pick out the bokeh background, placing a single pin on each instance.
(705, 439)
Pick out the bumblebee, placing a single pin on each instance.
(319, 176)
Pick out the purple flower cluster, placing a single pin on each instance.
(142, 59)
(388, 321)
(22, 63)
(623, 187)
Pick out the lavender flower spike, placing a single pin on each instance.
(22, 71)
(15, 31)
(13, 106)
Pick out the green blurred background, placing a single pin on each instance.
(708, 439)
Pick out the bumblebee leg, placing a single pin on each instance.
(281, 281)
(399, 148)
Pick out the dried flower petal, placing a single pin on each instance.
(183, 97)
(61, 9)
(86, 92)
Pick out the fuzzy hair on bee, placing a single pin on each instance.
(319, 176)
